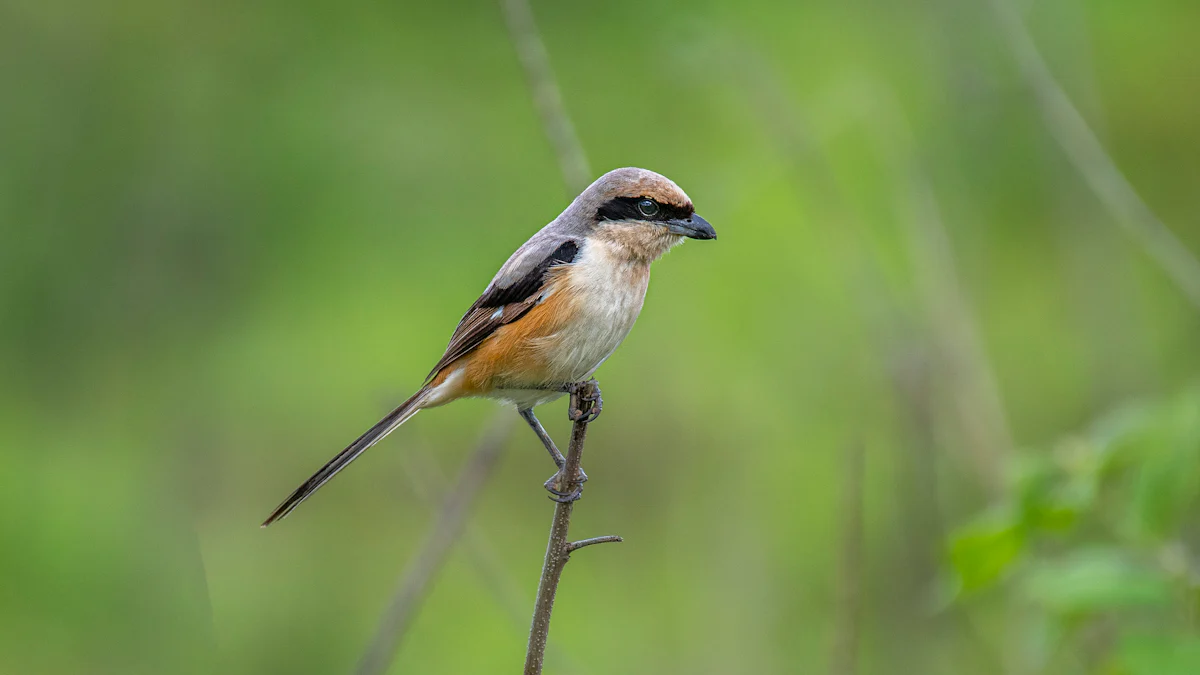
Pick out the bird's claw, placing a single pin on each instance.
(564, 496)
(569, 497)
(586, 401)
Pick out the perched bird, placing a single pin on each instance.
(553, 313)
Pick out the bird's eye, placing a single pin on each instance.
(648, 208)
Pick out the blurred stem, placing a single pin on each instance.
(968, 377)
(547, 98)
(1097, 167)
(445, 532)
(848, 610)
(559, 547)
(966, 373)
(964, 376)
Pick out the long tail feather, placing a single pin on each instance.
(372, 436)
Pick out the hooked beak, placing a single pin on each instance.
(694, 227)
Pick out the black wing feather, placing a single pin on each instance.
(531, 283)
(513, 301)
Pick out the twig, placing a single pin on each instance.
(848, 610)
(559, 548)
(441, 537)
(1098, 169)
(546, 97)
(606, 539)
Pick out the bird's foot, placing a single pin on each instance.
(586, 402)
(562, 496)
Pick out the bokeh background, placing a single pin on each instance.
(232, 235)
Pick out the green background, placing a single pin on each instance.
(232, 235)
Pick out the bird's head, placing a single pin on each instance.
(642, 211)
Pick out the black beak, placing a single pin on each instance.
(694, 227)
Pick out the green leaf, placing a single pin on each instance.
(982, 551)
(1116, 435)
(1168, 484)
(1096, 579)
(1051, 494)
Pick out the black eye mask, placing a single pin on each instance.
(626, 208)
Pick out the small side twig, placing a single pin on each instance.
(559, 547)
(608, 538)
(445, 532)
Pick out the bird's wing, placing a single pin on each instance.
(515, 290)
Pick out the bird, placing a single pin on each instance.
(556, 310)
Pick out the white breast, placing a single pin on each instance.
(607, 291)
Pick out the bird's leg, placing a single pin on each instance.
(585, 392)
(585, 407)
(532, 421)
(555, 480)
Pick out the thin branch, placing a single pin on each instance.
(546, 97)
(848, 610)
(1098, 169)
(606, 539)
(433, 552)
(559, 547)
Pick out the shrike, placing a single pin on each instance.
(553, 313)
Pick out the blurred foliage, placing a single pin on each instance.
(233, 235)
(1096, 545)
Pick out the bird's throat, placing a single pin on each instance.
(637, 242)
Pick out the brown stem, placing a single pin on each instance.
(427, 482)
(445, 532)
(559, 547)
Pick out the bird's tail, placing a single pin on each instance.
(372, 436)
